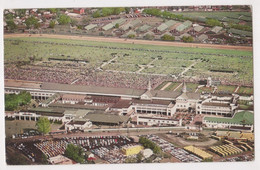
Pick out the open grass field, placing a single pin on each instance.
(172, 86)
(245, 90)
(154, 59)
(191, 87)
(226, 89)
(205, 90)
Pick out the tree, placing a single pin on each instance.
(75, 153)
(64, 19)
(96, 14)
(85, 20)
(12, 101)
(11, 26)
(74, 22)
(131, 36)
(43, 125)
(167, 37)
(187, 39)
(32, 22)
(117, 25)
(139, 157)
(52, 24)
(20, 12)
(148, 37)
(213, 22)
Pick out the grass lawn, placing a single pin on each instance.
(161, 85)
(172, 86)
(205, 89)
(174, 59)
(245, 90)
(226, 89)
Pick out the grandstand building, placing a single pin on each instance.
(120, 101)
(240, 121)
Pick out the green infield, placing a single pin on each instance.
(28, 52)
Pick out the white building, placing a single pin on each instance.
(78, 125)
(151, 120)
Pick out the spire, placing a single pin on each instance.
(149, 88)
(184, 89)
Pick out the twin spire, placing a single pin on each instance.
(184, 88)
(149, 88)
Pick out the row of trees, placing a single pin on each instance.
(209, 21)
(164, 14)
(167, 37)
(12, 101)
(103, 12)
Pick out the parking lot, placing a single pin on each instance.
(176, 152)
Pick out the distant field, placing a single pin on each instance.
(228, 16)
(166, 60)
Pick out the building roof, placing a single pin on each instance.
(108, 26)
(240, 32)
(129, 33)
(92, 89)
(166, 25)
(149, 102)
(77, 122)
(239, 118)
(119, 21)
(23, 84)
(165, 94)
(203, 37)
(198, 28)
(162, 27)
(131, 24)
(80, 106)
(155, 118)
(50, 99)
(181, 27)
(74, 96)
(185, 35)
(216, 29)
(216, 104)
(143, 28)
(122, 104)
(97, 117)
(187, 23)
(61, 160)
(149, 32)
(54, 112)
(90, 26)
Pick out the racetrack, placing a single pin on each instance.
(130, 41)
